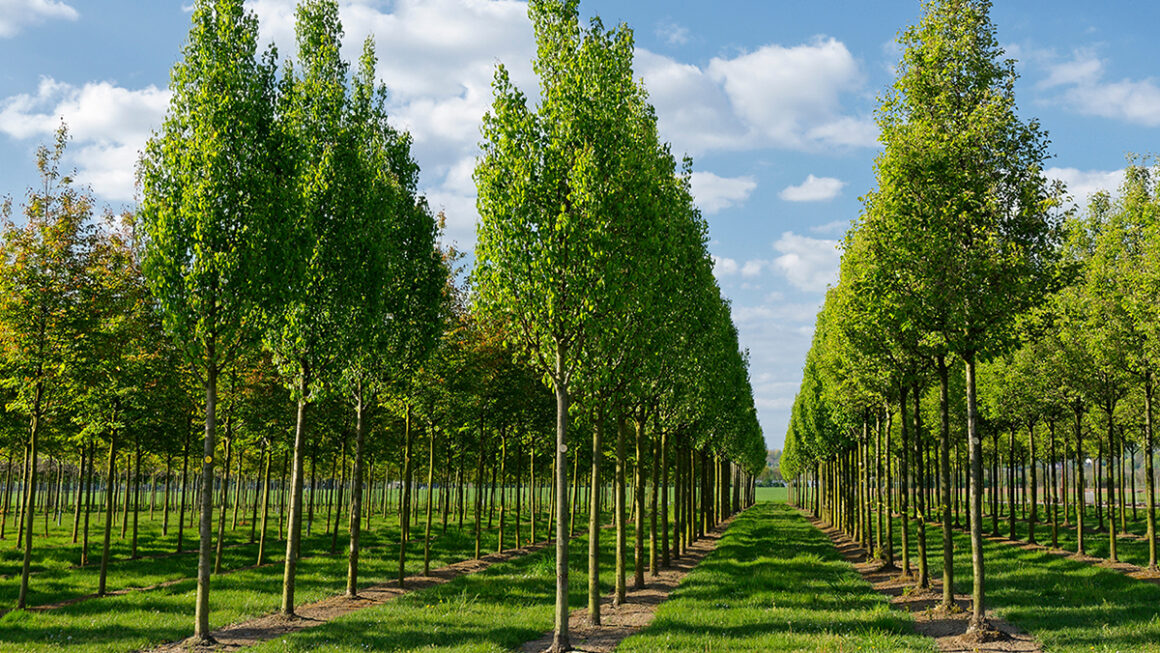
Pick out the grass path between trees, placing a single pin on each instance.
(776, 583)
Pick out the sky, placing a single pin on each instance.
(773, 99)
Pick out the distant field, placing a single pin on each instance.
(777, 494)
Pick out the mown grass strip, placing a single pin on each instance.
(776, 583)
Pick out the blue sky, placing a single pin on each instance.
(773, 99)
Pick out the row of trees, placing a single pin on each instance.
(281, 284)
(960, 236)
(593, 253)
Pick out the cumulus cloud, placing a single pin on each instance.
(1082, 85)
(809, 264)
(714, 193)
(834, 228)
(788, 97)
(15, 15)
(109, 125)
(1082, 184)
(813, 189)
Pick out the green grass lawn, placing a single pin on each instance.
(495, 610)
(772, 494)
(1070, 606)
(143, 619)
(776, 583)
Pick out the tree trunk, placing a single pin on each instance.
(184, 485)
(265, 503)
(638, 493)
(978, 607)
(621, 535)
(294, 524)
(594, 523)
(356, 494)
(112, 470)
(560, 639)
(904, 484)
(1149, 472)
(405, 500)
(1081, 498)
(30, 492)
(921, 494)
(201, 631)
(225, 497)
(430, 498)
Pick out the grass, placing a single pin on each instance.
(497, 609)
(776, 583)
(143, 619)
(778, 494)
(1069, 605)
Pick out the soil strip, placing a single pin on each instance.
(638, 609)
(271, 626)
(945, 627)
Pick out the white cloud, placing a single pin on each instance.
(714, 194)
(109, 125)
(1082, 184)
(813, 189)
(17, 14)
(808, 264)
(724, 267)
(753, 268)
(1083, 87)
(775, 96)
(792, 95)
(672, 33)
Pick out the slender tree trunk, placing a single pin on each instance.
(294, 525)
(904, 487)
(88, 506)
(921, 494)
(594, 523)
(30, 495)
(136, 497)
(80, 492)
(265, 503)
(1081, 499)
(560, 639)
(405, 501)
(638, 493)
(978, 607)
(502, 484)
(948, 598)
(430, 497)
(184, 485)
(109, 509)
(621, 535)
(1149, 472)
(201, 631)
(225, 497)
(356, 494)
(665, 557)
(1033, 516)
(479, 492)
(1110, 471)
(652, 510)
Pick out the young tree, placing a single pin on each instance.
(548, 191)
(962, 207)
(210, 200)
(44, 286)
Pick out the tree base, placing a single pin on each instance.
(980, 632)
(199, 641)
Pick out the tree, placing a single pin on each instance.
(548, 184)
(962, 204)
(210, 195)
(44, 286)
